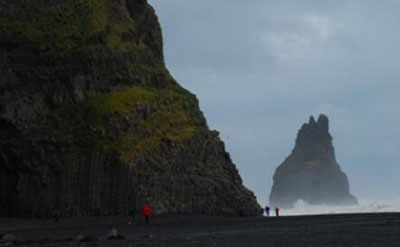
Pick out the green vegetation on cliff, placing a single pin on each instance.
(147, 117)
(76, 26)
(62, 28)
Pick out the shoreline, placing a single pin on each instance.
(202, 230)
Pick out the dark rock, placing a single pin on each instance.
(311, 172)
(115, 235)
(9, 238)
(85, 238)
(92, 123)
(149, 236)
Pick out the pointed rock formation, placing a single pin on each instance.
(92, 123)
(311, 172)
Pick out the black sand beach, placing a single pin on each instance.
(362, 230)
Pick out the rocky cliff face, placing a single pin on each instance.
(92, 123)
(311, 172)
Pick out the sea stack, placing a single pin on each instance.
(311, 172)
(92, 122)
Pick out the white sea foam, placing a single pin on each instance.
(365, 206)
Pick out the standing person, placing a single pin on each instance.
(132, 215)
(277, 211)
(146, 212)
(267, 210)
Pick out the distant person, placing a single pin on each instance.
(132, 214)
(146, 212)
(241, 212)
(277, 211)
(267, 210)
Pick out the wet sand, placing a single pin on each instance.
(353, 230)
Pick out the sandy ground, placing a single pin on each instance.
(351, 230)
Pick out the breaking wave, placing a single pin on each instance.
(365, 206)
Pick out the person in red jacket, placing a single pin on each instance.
(146, 211)
(277, 211)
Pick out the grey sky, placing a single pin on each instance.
(260, 68)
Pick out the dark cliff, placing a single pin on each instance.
(92, 123)
(311, 172)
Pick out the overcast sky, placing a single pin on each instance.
(260, 68)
